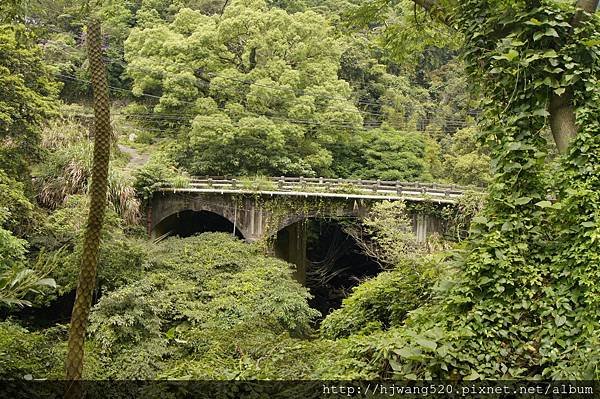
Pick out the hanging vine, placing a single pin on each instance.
(525, 299)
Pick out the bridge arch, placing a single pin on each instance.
(294, 218)
(189, 221)
(327, 260)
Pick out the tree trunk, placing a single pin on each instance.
(91, 243)
(562, 113)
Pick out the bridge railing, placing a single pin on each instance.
(325, 185)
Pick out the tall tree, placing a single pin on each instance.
(89, 258)
(562, 113)
(525, 301)
(259, 86)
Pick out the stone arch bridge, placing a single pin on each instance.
(278, 206)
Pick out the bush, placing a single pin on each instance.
(198, 293)
(249, 351)
(156, 173)
(25, 354)
(120, 260)
(15, 207)
(383, 301)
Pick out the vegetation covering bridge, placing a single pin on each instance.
(324, 187)
(278, 207)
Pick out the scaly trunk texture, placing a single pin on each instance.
(91, 243)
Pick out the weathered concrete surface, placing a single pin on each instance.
(258, 217)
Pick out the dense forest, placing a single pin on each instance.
(501, 98)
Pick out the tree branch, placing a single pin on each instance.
(435, 10)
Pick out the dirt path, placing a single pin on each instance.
(136, 160)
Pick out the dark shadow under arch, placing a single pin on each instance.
(188, 223)
(333, 261)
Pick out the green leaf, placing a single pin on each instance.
(544, 204)
(480, 219)
(534, 22)
(473, 376)
(442, 350)
(550, 54)
(591, 42)
(541, 112)
(560, 320)
(523, 200)
(394, 365)
(511, 55)
(48, 282)
(551, 32)
(409, 353)
(515, 146)
(426, 343)
(588, 224)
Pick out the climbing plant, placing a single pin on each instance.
(524, 302)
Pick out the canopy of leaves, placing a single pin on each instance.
(523, 303)
(26, 97)
(262, 85)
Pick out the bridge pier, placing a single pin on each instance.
(290, 245)
(424, 226)
(253, 222)
(420, 228)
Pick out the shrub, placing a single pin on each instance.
(199, 293)
(120, 259)
(156, 173)
(24, 353)
(383, 301)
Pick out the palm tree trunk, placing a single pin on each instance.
(91, 243)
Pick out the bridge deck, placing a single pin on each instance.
(321, 187)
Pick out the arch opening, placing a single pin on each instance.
(188, 223)
(329, 261)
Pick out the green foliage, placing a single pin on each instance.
(263, 91)
(156, 173)
(195, 293)
(465, 163)
(522, 304)
(460, 216)
(403, 32)
(250, 80)
(26, 97)
(386, 234)
(369, 308)
(67, 168)
(120, 259)
(15, 208)
(390, 155)
(17, 280)
(251, 352)
(16, 283)
(25, 354)
(12, 249)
